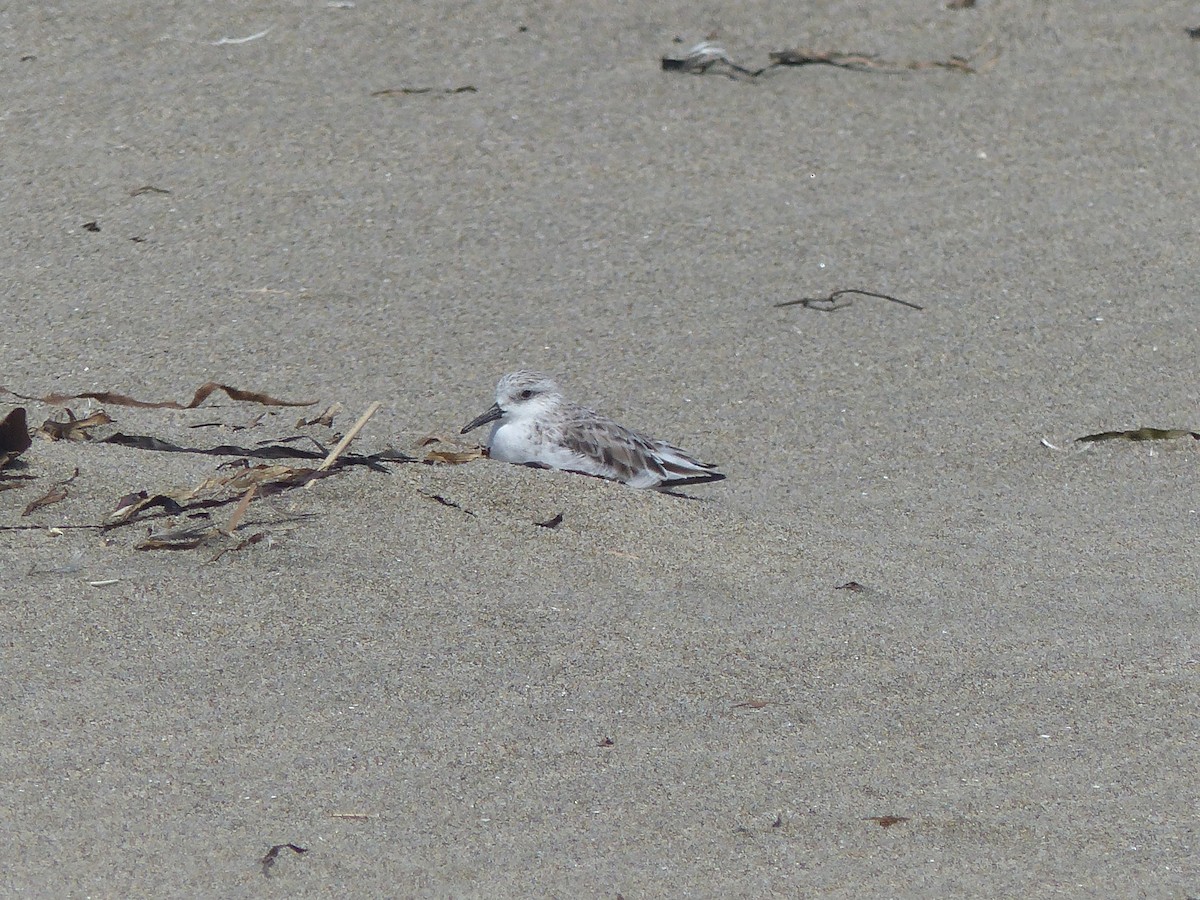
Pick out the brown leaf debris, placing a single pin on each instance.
(73, 429)
(203, 392)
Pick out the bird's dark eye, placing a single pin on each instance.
(526, 394)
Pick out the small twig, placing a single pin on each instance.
(240, 510)
(345, 442)
(812, 302)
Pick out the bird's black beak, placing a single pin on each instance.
(490, 416)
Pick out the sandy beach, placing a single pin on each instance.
(921, 642)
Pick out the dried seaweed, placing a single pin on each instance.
(14, 436)
(853, 586)
(241, 545)
(217, 490)
(56, 494)
(708, 56)
(451, 455)
(239, 482)
(231, 426)
(73, 429)
(275, 450)
(832, 304)
(203, 392)
(326, 418)
(863, 62)
(186, 537)
(269, 860)
(402, 91)
(1138, 435)
(438, 498)
(189, 537)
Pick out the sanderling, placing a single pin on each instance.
(536, 425)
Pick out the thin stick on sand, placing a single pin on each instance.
(345, 442)
(240, 510)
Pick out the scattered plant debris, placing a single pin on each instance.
(350, 435)
(832, 304)
(56, 494)
(203, 392)
(237, 483)
(708, 56)
(438, 498)
(886, 821)
(852, 586)
(239, 511)
(1139, 434)
(551, 523)
(14, 436)
(73, 429)
(148, 189)
(861, 62)
(217, 490)
(231, 426)
(268, 451)
(392, 92)
(190, 537)
(186, 537)
(241, 545)
(277, 450)
(451, 455)
(269, 860)
(325, 418)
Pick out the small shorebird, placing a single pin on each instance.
(537, 426)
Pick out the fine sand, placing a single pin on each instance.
(660, 697)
